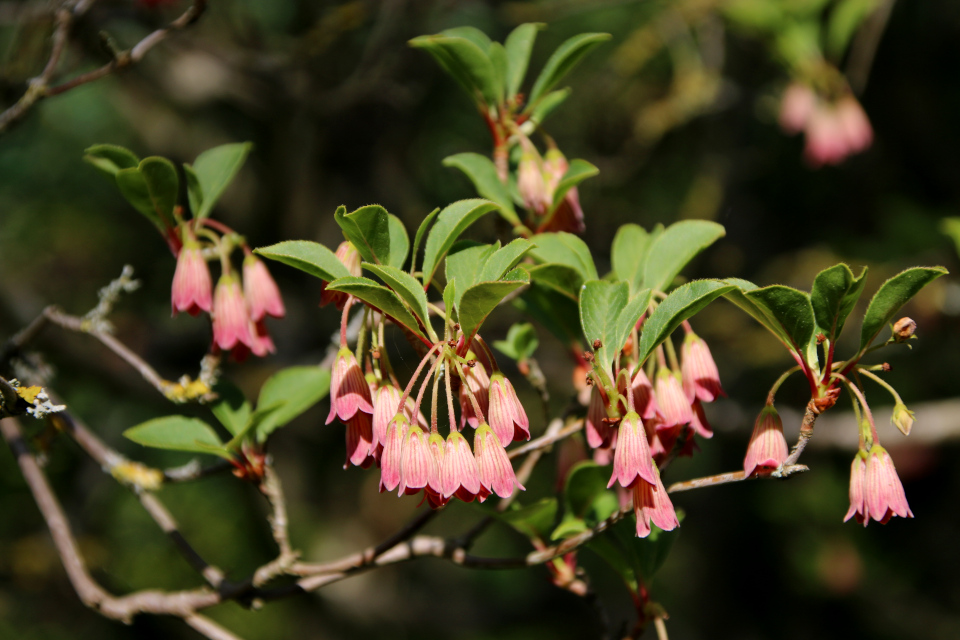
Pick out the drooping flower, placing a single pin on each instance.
(192, 286)
(598, 431)
(496, 472)
(651, 502)
(858, 474)
(418, 467)
(390, 459)
(701, 379)
(259, 289)
(386, 401)
(360, 446)
(835, 131)
(568, 214)
(459, 474)
(796, 106)
(434, 489)
(882, 491)
(506, 415)
(767, 448)
(477, 381)
(672, 400)
(232, 327)
(349, 392)
(264, 343)
(531, 185)
(644, 400)
(350, 257)
(632, 460)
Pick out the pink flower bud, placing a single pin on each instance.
(261, 292)
(530, 183)
(632, 460)
(459, 474)
(903, 329)
(232, 328)
(496, 472)
(673, 402)
(506, 415)
(191, 291)
(418, 468)
(701, 379)
(349, 392)
(651, 502)
(767, 448)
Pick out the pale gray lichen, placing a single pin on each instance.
(42, 406)
(96, 319)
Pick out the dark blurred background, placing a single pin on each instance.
(342, 111)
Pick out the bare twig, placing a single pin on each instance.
(546, 439)
(209, 628)
(272, 489)
(806, 432)
(736, 476)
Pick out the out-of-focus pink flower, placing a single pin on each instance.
(767, 448)
(837, 131)
(360, 446)
(232, 328)
(598, 431)
(506, 415)
(390, 459)
(701, 379)
(350, 257)
(192, 286)
(651, 502)
(263, 343)
(349, 392)
(531, 185)
(796, 106)
(855, 124)
(418, 468)
(632, 460)
(496, 472)
(568, 215)
(882, 491)
(261, 292)
(672, 400)
(477, 381)
(459, 474)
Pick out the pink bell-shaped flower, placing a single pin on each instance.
(632, 460)
(644, 400)
(360, 447)
(506, 415)
(882, 491)
(477, 381)
(496, 472)
(259, 289)
(858, 474)
(701, 379)
(672, 400)
(191, 290)
(232, 328)
(390, 458)
(598, 431)
(386, 401)
(418, 467)
(651, 502)
(349, 392)
(767, 448)
(459, 474)
(434, 489)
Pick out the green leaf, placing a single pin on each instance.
(231, 408)
(845, 18)
(505, 259)
(478, 301)
(306, 255)
(600, 305)
(618, 556)
(194, 190)
(892, 295)
(521, 342)
(547, 104)
(399, 242)
(519, 45)
(586, 499)
(534, 520)
(737, 296)
(834, 294)
(421, 230)
(674, 248)
(791, 311)
(293, 390)
(178, 433)
(577, 172)
(483, 174)
(449, 304)
(379, 297)
(567, 249)
(559, 314)
(563, 60)
(628, 254)
(559, 277)
(451, 222)
(368, 228)
(465, 265)
(466, 61)
(256, 419)
(682, 303)
(628, 316)
(406, 286)
(498, 59)
(163, 186)
(133, 187)
(110, 158)
(215, 169)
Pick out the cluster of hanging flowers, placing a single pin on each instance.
(239, 305)
(834, 129)
(537, 180)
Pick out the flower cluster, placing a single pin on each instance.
(238, 310)
(537, 180)
(834, 129)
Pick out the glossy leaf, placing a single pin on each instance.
(451, 222)
(421, 231)
(483, 174)
(380, 298)
(504, 259)
(547, 104)
(892, 295)
(577, 172)
(292, 391)
(617, 555)
(557, 313)
(406, 286)
(110, 158)
(533, 520)
(306, 255)
(478, 301)
(449, 294)
(682, 303)
(194, 190)
(465, 61)
(498, 59)
(215, 169)
(519, 45)
(464, 265)
(231, 408)
(521, 342)
(565, 58)
(177, 433)
(560, 277)
(600, 305)
(567, 249)
(834, 294)
(628, 254)
(163, 186)
(791, 311)
(133, 187)
(670, 252)
(586, 499)
(628, 316)
(368, 228)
